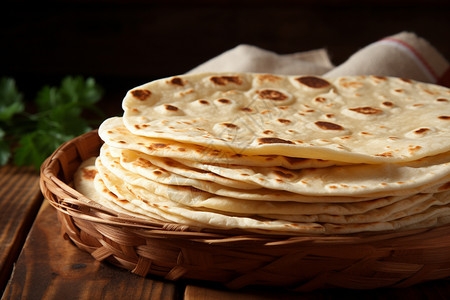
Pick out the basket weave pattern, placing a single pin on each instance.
(237, 259)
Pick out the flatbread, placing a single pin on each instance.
(206, 218)
(406, 207)
(359, 180)
(355, 119)
(88, 182)
(325, 212)
(114, 133)
(352, 180)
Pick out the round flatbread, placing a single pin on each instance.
(114, 133)
(355, 119)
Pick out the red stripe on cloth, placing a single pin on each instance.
(445, 78)
(416, 54)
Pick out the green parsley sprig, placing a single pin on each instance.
(29, 138)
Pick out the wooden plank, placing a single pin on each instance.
(194, 292)
(20, 199)
(439, 289)
(51, 267)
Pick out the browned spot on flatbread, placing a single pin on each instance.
(320, 99)
(159, 145)
(170, 107)
(388, 103)
(366, 110)
(294, 160)
(442, 100)
(273, 140)
(429, 92)
(328, 125)
(177, 81)
(230, 125)
(351, 84)
(203, 101)
(143, 163)
(184, 93)
(284, 121)
(89, 174)
(223, 80)
(412, 148)
(268, 77)
(283, 174)
(224, 101)
(169, 162)
(246, 109)
(271, 95)
(421, 130)
(385, 154)
(444, 117)
(141, 94)
(406, 80)
(213, 152)
(313, 82)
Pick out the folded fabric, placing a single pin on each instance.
(248, 58)
(402, 55)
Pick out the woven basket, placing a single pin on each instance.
(237, 259)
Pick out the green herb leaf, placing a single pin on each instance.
(36, 146)
(59, 119)
(10, 99)
(5, 153)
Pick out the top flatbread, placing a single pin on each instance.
(355, 119)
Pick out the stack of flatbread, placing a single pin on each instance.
(278, 154)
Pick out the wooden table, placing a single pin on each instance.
(37, 263)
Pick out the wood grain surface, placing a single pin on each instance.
(51, 267)
(20, 199)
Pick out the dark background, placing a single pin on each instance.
(126, 43)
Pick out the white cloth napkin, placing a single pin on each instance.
(248, 58)
(402, 55)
